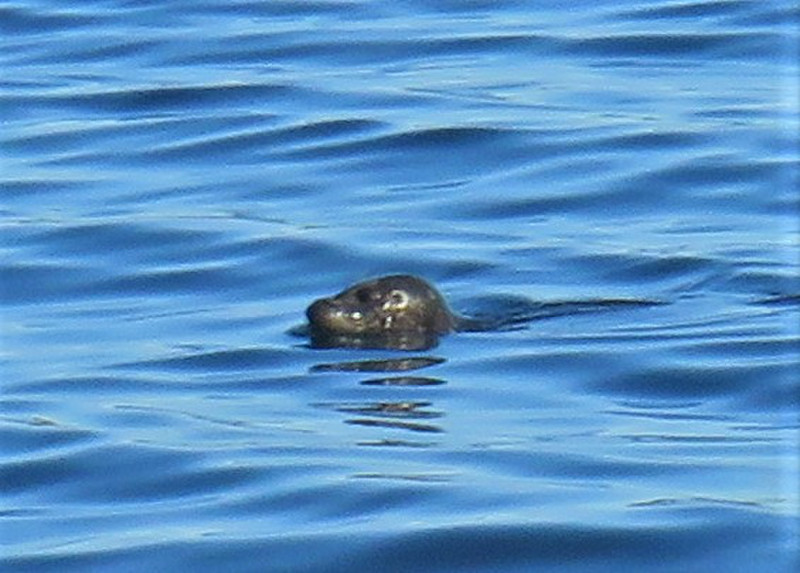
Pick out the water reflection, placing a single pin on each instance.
(403, 381)
(403, 415)
(412, 426)
(392, 443)
(385, 341)
(399, 415)
(382, 365)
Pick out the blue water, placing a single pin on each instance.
(181, 179)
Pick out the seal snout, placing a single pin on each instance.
(320, 311)
(327, 315)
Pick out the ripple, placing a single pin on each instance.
(224, 360)
(30, 437)
(394, 424)
(300, 136)
(736, 45)
(452, 141)
(95, 239)
(517, 548)
(151, 99)
(20, 20)
(687, 383)
(691, 10)
(94, 385)
(384, 365)
(37, 283)
(76, 476)
(403, 381)
(476, 547)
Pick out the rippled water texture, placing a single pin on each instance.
(181, 179)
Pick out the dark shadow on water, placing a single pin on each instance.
(410, 341)
(391, 443)
(403, 381)
(394, 415)
(384, 365)
(781, 300)
(412, 426)
(408, 410)
(502, 313)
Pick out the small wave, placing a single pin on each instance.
(730, 45)
(689, 383)
(222, 360)
(690, 10)
(383, 365)
(20, 20)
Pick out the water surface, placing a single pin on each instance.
(182, 179)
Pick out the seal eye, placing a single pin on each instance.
(398, 299)
(363, 295)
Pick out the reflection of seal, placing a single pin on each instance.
(397, 311)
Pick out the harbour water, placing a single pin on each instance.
(181, 179)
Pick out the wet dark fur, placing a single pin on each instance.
(396, 311)
(407, 313)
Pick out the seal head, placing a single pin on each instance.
(396, 311)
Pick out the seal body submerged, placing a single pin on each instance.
(406, 312)
(396, 311)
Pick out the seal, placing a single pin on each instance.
(405, 312)
(396, 311)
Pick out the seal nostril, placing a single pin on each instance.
(318, 310)
(363, 295)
